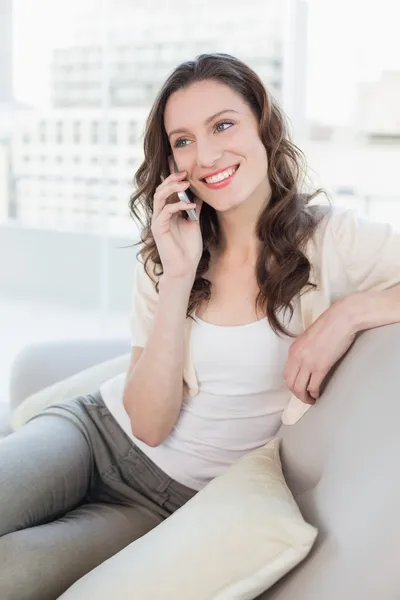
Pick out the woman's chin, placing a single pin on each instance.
(227, 205)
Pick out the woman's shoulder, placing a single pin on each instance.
(334, 229)
(334, 223)
(357, 240)
(343, 225)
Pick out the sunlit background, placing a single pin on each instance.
(77, 79)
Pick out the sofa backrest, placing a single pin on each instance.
(342, 463)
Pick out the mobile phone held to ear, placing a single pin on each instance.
(186, 196)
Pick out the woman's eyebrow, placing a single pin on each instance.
(206, 122)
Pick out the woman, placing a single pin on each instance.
(233, 327)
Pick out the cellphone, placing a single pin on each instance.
(186, 196)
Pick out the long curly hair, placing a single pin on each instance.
(286, 223)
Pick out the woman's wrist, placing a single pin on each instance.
(175, 291)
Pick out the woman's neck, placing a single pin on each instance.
(239, 243)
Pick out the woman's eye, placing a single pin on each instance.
(180, 143)
(223, 123)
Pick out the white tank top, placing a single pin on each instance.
(242, 394)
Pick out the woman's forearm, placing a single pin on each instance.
(154, 388)
(370, 309)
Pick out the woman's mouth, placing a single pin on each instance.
(221, 179)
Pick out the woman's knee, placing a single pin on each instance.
(41, 481)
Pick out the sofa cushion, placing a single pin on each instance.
(234, 539)
(85, 382)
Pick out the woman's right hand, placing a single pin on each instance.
(179, 241)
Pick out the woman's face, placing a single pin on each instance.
(211, 128)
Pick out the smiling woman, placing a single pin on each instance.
(229, 135)
(237, 318)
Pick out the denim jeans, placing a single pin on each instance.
(74, 490)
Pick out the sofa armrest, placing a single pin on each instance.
(41, 365)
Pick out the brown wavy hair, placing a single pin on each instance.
(286, 223)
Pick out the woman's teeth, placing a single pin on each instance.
(221, 176)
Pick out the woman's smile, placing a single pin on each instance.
(222, 179)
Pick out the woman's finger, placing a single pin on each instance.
(171, 209)
(300, 386)
(164, 193)
(314, 385)
(166, 181)
(172, 177)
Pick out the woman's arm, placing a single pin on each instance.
(370, 258)
(367, 310)
(318, 349)
(154, 386)
(153, 391)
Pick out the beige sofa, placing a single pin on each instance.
(340, 461)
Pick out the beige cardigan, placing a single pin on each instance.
(347, 253)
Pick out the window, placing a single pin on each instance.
(59, 132)
(42, 132)
(94, 132)
(76, 132)
(132, 139)
(112, 132)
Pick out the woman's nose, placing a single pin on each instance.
(207, 156)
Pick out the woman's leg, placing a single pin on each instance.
(58, 520)
(45, 471)
(42, 562)
(83, 491)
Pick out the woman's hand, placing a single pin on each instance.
(317, 350)
(179, 241)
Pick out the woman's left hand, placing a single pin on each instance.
(317, 350)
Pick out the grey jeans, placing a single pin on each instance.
(74, 490)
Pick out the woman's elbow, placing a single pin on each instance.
(147, 435)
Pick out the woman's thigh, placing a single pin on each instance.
(45, 471)
(40, 563)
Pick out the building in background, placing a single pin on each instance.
(74, 170)
(359, 165)
(378, 114)
(125, 61)
(74, 164)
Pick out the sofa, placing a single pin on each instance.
(339, 462)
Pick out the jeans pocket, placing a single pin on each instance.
(143, 475)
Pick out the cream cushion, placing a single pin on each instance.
(84, 382)
(233, 540)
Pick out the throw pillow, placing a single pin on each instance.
(233, 540)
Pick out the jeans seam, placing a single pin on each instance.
(149, 465)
